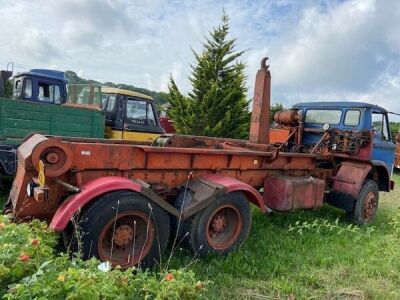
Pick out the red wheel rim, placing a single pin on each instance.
(224, 227)
(370, 205)
(131, 240)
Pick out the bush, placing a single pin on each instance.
(64, 278)
(23, 248)
(29, 268)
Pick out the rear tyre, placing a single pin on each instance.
(124, 228)
(366, 204)
(220, 227)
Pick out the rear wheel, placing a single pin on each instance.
(220, 227)
(124, 228)
(366, 205)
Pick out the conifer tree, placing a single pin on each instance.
(217, 104)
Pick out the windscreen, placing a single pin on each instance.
(140, 112)
(322, 116)
(86, 95)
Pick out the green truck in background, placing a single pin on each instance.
(40, 104)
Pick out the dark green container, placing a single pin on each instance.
(19, 118)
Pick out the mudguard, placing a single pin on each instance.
(350, 177)
(89, 191)
(208, 188)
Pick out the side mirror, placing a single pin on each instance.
(325, 127)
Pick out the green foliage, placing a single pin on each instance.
(322, 226)
(73, 78)
(337, 263)
(62, 278)
(180, 110)
(273, 109)
(217, 104)
(159, 97)
(30, 269)
(23, 247)
(8, 88)
(394, 128)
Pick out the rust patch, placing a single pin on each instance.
(350, 177)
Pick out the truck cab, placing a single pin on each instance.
(350, 117)
(130, 115)
(40, 85)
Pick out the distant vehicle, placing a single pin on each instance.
(39, 105)
(42, 102)
(41, 85)
(165, 120)
(130, 115)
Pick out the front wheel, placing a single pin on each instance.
(124, 228)
(366, 204)
(222, 226)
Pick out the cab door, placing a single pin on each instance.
(383, 146)
(113, 106)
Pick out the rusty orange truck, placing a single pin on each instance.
(126, 200)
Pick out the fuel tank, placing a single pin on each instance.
(290, 193)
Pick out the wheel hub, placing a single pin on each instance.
(52, 157)
(219, 223)
(123, 235)
(224, 227)
(126, 240)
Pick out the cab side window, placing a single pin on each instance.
(50, 93)
(104, 102)
(111, 103)
(380, 126)
(56, 95)
(27, 89)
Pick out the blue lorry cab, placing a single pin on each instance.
(354, 116)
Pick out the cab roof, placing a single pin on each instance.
(111, 90)
(338, 104)
(46, 73)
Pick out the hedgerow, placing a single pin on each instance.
(31, 268)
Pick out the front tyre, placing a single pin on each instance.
(367, 204)
(124, 228)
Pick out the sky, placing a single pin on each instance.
(318, 50)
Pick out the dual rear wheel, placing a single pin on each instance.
(127, 229)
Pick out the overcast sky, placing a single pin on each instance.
(318, 50)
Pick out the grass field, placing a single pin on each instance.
(329, 263)
(275, 263)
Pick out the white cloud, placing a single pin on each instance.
(318, 50)
(342, 53)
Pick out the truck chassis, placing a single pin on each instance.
(126, 199)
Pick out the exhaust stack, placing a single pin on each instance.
(259, 127)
